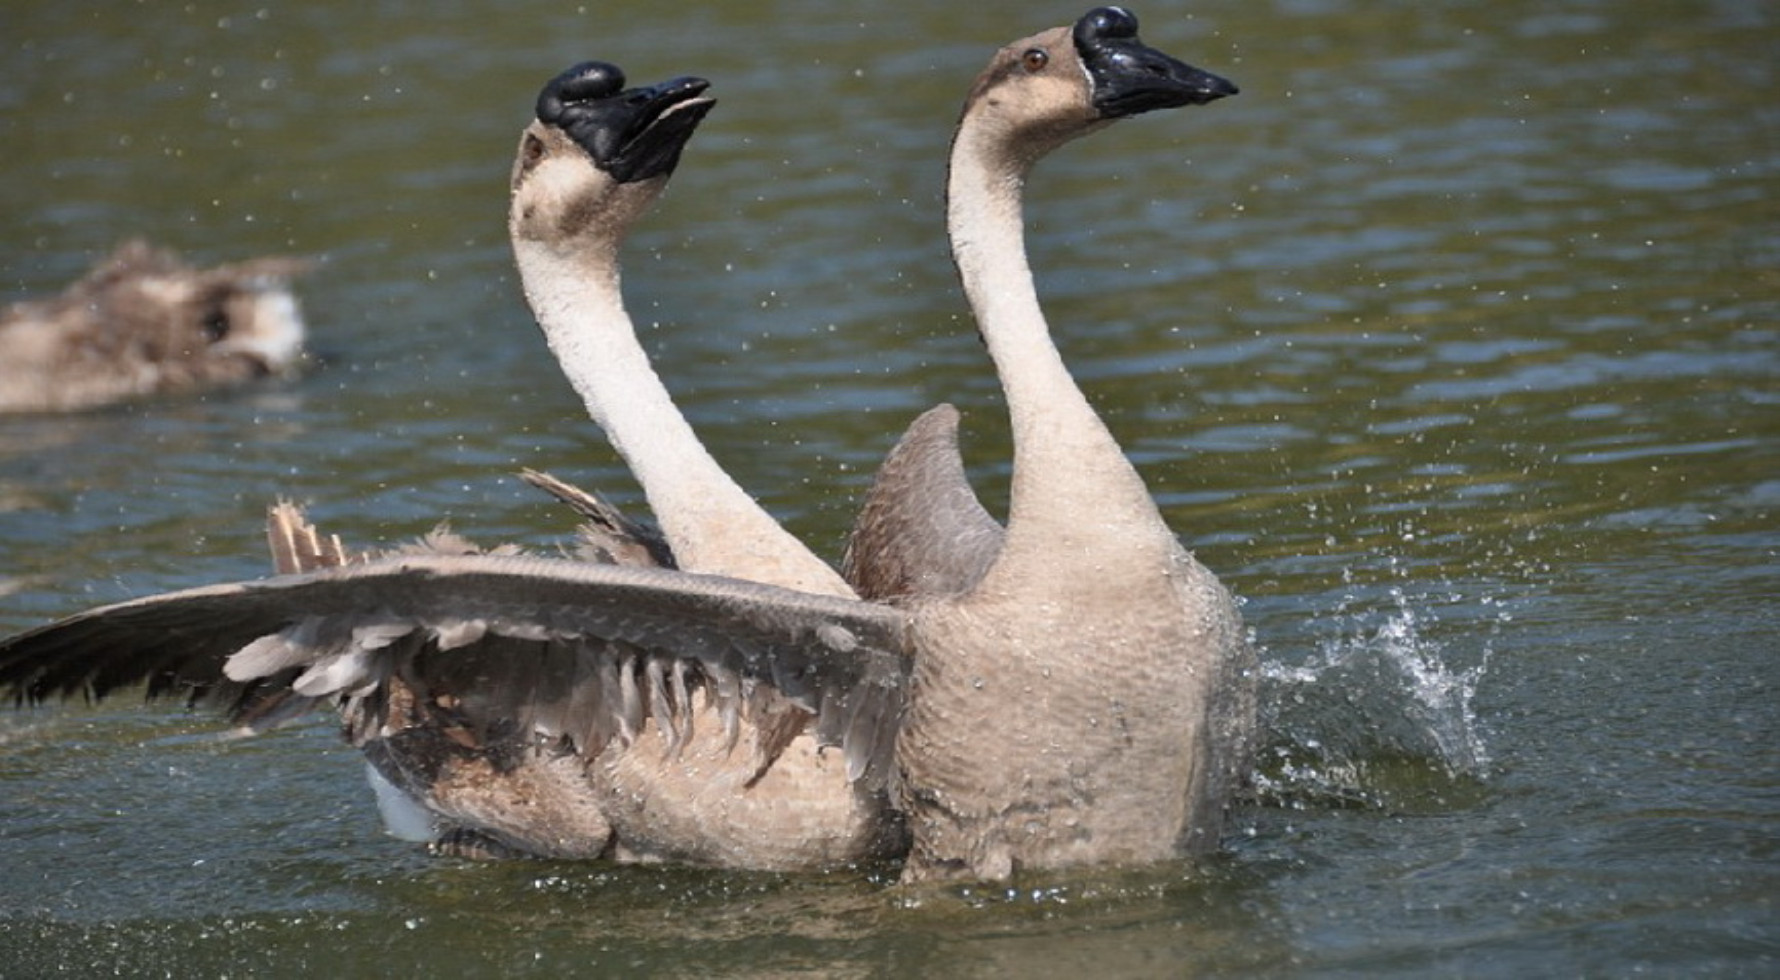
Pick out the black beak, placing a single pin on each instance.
(1131, 77)
(632, 134)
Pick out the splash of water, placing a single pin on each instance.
(1376, 718)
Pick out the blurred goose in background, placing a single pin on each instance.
(145, 323)
(1061, 710)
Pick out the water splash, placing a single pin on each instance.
(1377, 717)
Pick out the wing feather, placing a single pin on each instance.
(562, 650)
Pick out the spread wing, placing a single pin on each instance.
(570, 652)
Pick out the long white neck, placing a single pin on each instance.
(709, 520)
(1072, 486)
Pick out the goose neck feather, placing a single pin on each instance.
(567, 220)
(1067, 465)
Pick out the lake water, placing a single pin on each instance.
(1452, 344)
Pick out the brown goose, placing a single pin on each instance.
(144, 323)
(568, 214)
(1052, 719)
(1124, 656)
(583, 175)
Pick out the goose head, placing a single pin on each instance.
(1045, 90)
(246, 313)
(226, 323)
(598, 154)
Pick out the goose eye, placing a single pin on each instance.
(1035, 59)
(215, 325)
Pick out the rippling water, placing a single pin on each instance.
(1452, 344)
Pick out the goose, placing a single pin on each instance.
(1124, 657)
(594, 161)
(566, 222)
(1058, 712)
(143, 322)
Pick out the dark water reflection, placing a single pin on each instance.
(1452, 344)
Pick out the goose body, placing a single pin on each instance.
(662, 743)
(144, 323)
